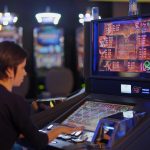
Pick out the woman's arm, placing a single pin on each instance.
(61, 129)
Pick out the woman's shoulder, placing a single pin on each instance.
(16, 96)
(12, 101)
(10, 96)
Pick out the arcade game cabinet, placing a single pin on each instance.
(117, 75)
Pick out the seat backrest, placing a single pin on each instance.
(59, 81)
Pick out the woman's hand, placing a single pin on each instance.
(21, 136)
(62, 129)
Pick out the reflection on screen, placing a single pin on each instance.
(91, 112)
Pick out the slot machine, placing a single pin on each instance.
(48, 45)
(8, 30)
(117, 76)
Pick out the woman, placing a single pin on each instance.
(14, 111)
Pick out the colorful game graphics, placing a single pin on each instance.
(124, 46)
(90, 112)
(11, 33)
(48, 46)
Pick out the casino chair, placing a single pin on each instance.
(59, 81)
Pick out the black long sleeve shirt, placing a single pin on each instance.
(15, 120)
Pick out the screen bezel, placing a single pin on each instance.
(104, 85)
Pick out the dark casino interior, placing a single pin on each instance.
(90, 69)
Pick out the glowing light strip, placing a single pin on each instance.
(86, 18)
(48, 17)
(8, 18)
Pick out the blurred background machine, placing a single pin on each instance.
(10, 32)
(8, 29)
(48, 45)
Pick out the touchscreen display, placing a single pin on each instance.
(88, 114)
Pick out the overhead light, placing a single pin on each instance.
(48, 18)
(87, 17)
(7, 18)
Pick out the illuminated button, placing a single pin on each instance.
(77, 140)
(128, 114)
(49, 127)
(42, 131)
(60, 135)
(78, 133)
(54, 142)
(66, 137)
(73, 133)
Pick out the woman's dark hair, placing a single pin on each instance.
(11, 55)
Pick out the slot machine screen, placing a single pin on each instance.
(121, 54)
(11, 33)
(48, 46)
